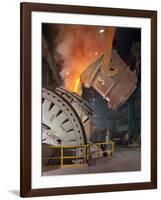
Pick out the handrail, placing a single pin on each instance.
(86, 153)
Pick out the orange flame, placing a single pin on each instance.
(80, 46)
(77, 86)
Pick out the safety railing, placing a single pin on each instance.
(85, 152)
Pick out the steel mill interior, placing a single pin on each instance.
(91, 99)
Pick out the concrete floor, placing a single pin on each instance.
(124, 159)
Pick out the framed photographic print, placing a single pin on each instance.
(88, 99)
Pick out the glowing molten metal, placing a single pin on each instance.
(79, 46)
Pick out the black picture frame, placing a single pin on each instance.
(26, 113)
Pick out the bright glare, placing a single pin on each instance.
(101, 31)
(67, 73)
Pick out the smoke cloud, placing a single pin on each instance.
(75, 47)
